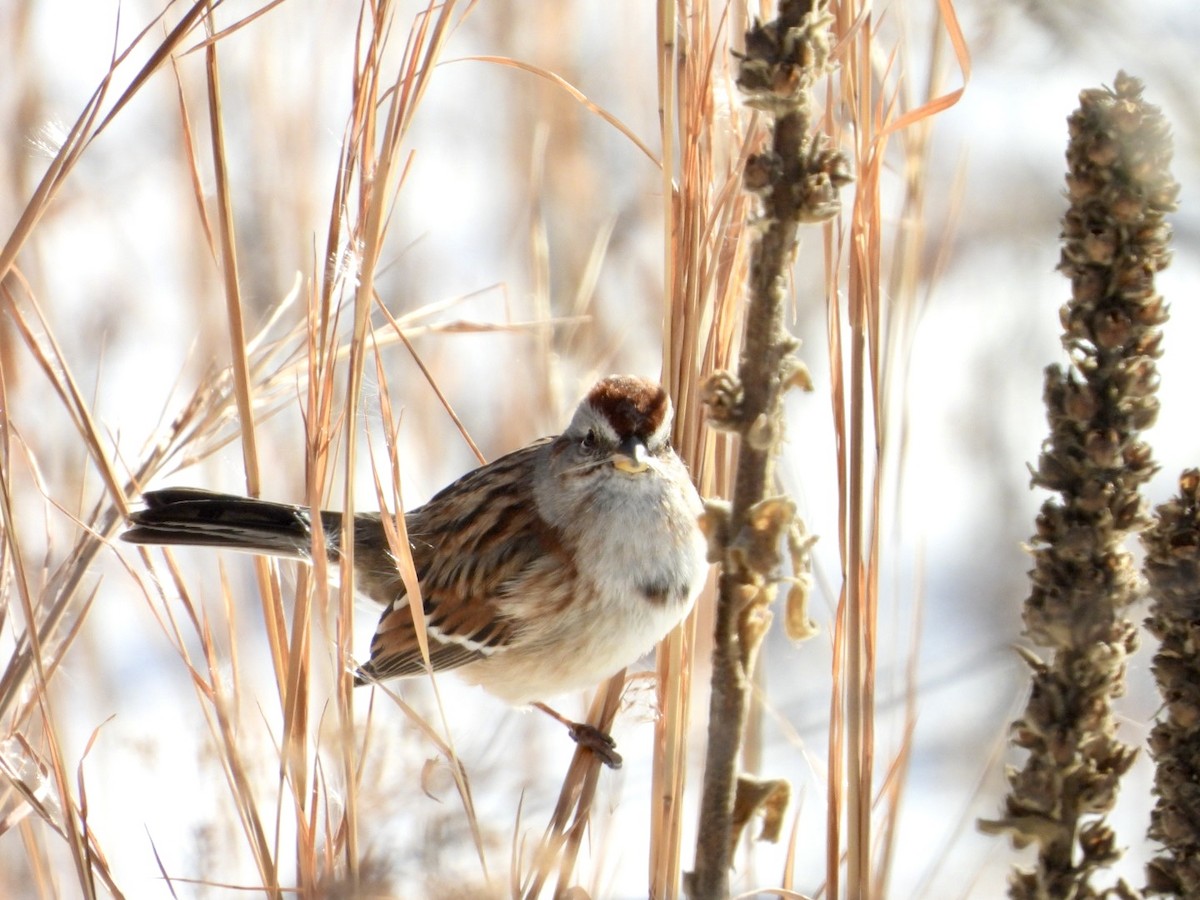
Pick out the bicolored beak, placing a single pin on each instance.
(632, 456)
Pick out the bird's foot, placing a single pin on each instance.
(588, 736)
(597, 741)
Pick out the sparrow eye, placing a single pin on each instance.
(589, 440)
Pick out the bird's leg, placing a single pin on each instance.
(588, 736)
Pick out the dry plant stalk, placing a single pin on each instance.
(797, 180)
(56, 593)
(703, 153)
(1083, 581)
(870, 317)
(323, 812)
(59, 607)
(1172, 568)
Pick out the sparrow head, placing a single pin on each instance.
(623, 422)
(618, 435)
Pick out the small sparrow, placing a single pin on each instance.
(545, 571)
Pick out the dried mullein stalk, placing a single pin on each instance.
(1083, 580)
(1173, 569)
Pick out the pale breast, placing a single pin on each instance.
(635, 578)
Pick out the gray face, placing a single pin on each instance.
(623, 422)
(618, 434)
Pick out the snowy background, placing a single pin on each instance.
(121, 268)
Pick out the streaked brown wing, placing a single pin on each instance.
(470, 542)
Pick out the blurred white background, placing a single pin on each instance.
(502, 160)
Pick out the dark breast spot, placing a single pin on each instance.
(660, 593)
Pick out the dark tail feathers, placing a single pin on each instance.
(207, 519)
